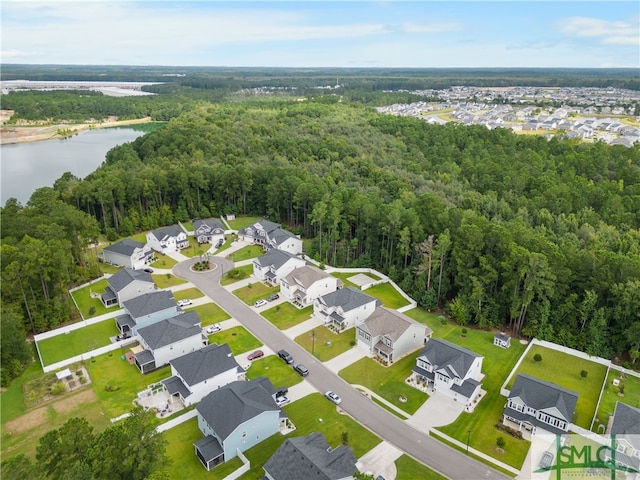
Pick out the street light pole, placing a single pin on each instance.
(313, 341)
(468, 435)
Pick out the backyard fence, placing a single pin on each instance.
(87, 355)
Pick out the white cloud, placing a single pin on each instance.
(432, 28)
(609, 32)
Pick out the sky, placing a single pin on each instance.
(422, 34)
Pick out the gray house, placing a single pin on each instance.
(126, 284)
(128, 253)
(345, 308)
(210, 230)
(310, 457)
(258, 232)
(276, 264)
(145, 310)
(235, 418)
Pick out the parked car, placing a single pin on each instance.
(282, 391)
(213, 328)
(282, 400)
(273, 297)
(301, 369)
(220, 243)
(255, 355)
(148, 270)
(334, 397)
(284, 355)
(184, 302)
(260, 303)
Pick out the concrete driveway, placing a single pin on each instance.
(380, 461)
(437, 411)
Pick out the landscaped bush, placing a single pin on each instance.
(109, 387)
(82, 380)
(537, 357)
(511, 431)
(58, 388)
(78, 373)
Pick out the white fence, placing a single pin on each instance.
(174, 422)
(75, 326)
(86, 356)
(243, 469)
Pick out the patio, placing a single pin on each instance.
(158, 398)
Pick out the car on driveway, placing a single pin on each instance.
(286, 356)
(282, 400)
(255, 355)
(334, 397)
(273, 297)
(148, 270)
(213, 328)
(184, 302)
(260, 303)
(301, 369)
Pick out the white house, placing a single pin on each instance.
(275, 264)
(284, 240)
(126, 284)
(257, 233)
(210, 231)
(304, 284)
(197, 374)
(128, 253)
(168, 239)
(451, 370)
(390, 335)
(344, 308)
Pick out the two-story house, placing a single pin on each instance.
(196, 374)
(390, 335)
(128, 253)
(270, 235)
(274, 265)
(344, 308)
(304, 284)
(167, 339)
(126, 284)
(625, 425)
(235, 418)
(145, 310)
(210, 231)
(257, 233)
(168, 239)
(535, 404)
(450, 369)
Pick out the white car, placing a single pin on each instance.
(184, 302)
(334, 397)
(260, 303)
(213, 328)
(282, 400)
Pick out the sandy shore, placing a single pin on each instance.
(21, 134)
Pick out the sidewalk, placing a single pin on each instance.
(345, 359)
(303, 327)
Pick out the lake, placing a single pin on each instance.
(25, 167)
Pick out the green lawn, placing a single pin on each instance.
(388, 382)
(564, 370)
(106, 268)
(11, 399)
(79, 341)
(388, 295)
(345, 275)
(610, 396)
(195, 249)
(85, 301)
(187, 293)
(409, 469)
(238, 338)
(242, 222)
(140, 237)
(245, 253)
(210, 313)
(236, 274)
(438, 323)
(327, 344)
(166, 280)
(286, 315)
(272, 367)
(254, 291)
(163, 261)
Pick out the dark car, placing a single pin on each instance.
(148, 270)
(255, 355)
(273, 297)
(282, 391)
(284, 355)
(301, 369)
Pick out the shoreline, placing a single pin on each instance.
(21, 134)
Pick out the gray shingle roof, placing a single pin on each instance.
(264, 225)
(384, 321)
(205, 363)
(171, 330)
(467, 388)
(230, 406)
(174, 385)
(274, 258)
(306, 276)
(170, 231)
(125, 276)
(626, 421)
(210, 223)
(279, 236)
(347, 298)
(310, 457)
(540, 395)
(125, 247)
(455, 360)
(150, 303)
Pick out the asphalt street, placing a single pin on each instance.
(419, 445)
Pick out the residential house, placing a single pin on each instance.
(274, 265)
(390, 335)
(310, 457)
(271, 235)
(167, 339)
(344, 308)
(145, 310)
(210, 231)
(450, 369)
(126, 284)
(304, 284)
(168, 239)
(196, 374)
(257, 233)
(625, 425)
(128, 253)
(502, 340)
(235, 418)
(534, 403)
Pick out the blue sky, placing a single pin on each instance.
(323, 34)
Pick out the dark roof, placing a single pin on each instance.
(125, 247)
(541, 395)
(150, 303)
(279, 236)
(274, 258)
(209, 448)
(170, 231)
(310, 457)
(467, 388)
(108, 294)
(171, 330)
(125, 276)
(144, 357)
(236, 403)
(174, 385)
(455, 360)
(348, 298)
(391, 323)
(125, 320)
(205, 363)
(423, 372)
(626, 422)
(502, 337)
(211, 223)
(264, 225)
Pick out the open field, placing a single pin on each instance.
(326, 344)
(286, 315)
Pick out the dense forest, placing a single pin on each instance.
(541, 237)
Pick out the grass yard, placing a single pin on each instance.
(238, 338)
(388, 295)
(285, 315)
(140, 237)
(564, 370)
(211, 313)
(85, 339)
(12, 399)
(166, 280)
(438, 323)
(242, 222)
(86, 302)
(106, 268)
(228, 240)
(610, 396)
(195, 249)
(163, 261)
(388, 382)
(245, 253)
(236, 274)
(345, 275)
(188, 293)
(272, 367)
(409, 469)
(254, 291)
(327, 344)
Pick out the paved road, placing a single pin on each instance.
(387, 426)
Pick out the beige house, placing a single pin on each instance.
(303, 285)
